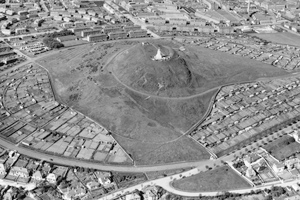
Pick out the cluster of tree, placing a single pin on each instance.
(17, 193)
(64, 32)
(84, 169)
(275, 192)
(52, 43)
(2, 1)
(160, 191)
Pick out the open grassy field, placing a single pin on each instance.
(182, 149)
(283, 147)
(219, 179)
(281, 38)
(149, 127)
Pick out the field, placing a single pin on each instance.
(219, 179)
(281, 38)
(283, 147)
(151, 127)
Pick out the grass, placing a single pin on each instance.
(283, 148)
(281, 38)
(219, 179)
(124, 180)
(188, 72)
(183, 149)
(141, 126)
(160, 174)
(148, 128)
(74, 43)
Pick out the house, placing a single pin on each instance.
(103, 178)
(250, 159)
(133, 196)
(60, 171)
(295, 134)
(250, 172)
(278, 167)
(92, 185)
(150, 193)
(51, 178)
(37, 176)
(70, 194)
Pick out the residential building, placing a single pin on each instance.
(51, 178)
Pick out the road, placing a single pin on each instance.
(166, 184)
(85, 163)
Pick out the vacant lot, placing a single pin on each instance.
(149, 128)
(283, 147)
(281, 38)
(219, 179)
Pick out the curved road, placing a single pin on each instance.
(85, 163)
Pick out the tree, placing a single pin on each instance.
(52, 43)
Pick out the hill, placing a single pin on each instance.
(148, 124)
(185, 73)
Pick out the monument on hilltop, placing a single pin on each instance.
(158, 55)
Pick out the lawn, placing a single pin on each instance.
(219, 179)
(281, 38)
(283, 147)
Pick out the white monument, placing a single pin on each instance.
(158, 56)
